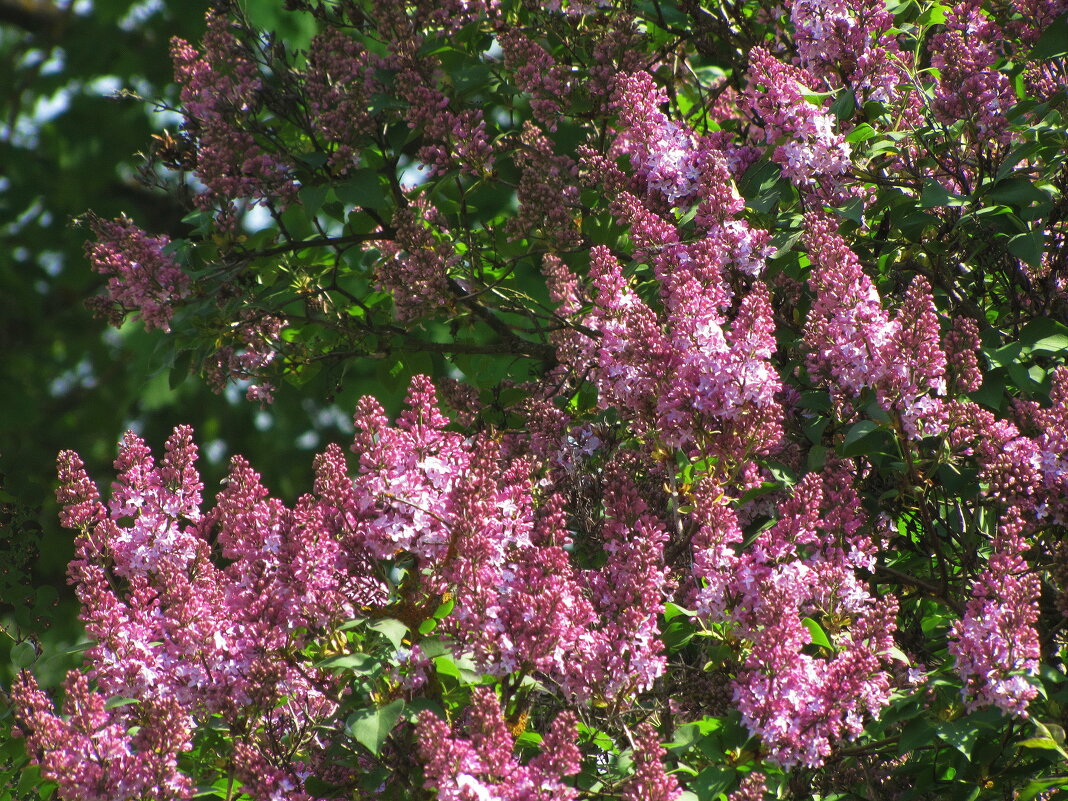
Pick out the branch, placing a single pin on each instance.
(35, 16)
(932, 589)
(322, 242)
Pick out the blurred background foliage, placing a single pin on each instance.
(74, 78)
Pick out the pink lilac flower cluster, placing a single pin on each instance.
(674, 382)
(813, 156)
(995, 644)
(169, 626)
(481, 766)
(548, 192)
(854, 343)
(258, 338)
(97, 753)
(961, 346)
(691, 370)
(174, 620)
(1037, 16)
(454, 138)
(428, 492)
(412, 20)
(142, 278)
(414, 265)
(649, 781)
(969, 86)
(219, 89)
(848, 43)
(662, 152)
(537, 74)
(1047, 453)
(340, 82)
(751, 788)
(805, 566)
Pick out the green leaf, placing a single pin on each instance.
(1050, 737)
(689, 734)
(935, 15)
(444, 610)
(864, 438)
(672, 610)
(118, 700)
(818, 635)
(896, 653)
(312, 197)
(919, 732)
(1028, 247)
(934, 195)
(393, 630)
(1031, 790)
(1018, 192)
(180, 371)
(357, 663)
(711, 781)
(23, 654)
(1045, 335)
(446, 666)
(362, 188)
(961, 734)
(861, 133)
(371, 727)
(1053, 42)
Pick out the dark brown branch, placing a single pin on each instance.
(933, 590)
(322, 242)
(34, 16)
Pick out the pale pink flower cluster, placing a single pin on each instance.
(548, 192)
(537, 74)
(995, 644)
(454, 138)
(142, 278)
(649, 781)
(258, 339)
(854, 343)
(219, 89)
(481, 767)
(847, 43)
(170, 627)
(692, 369)
(340, 82)
(813, 156)
(805, 566)
(414, 265)
(969, 87)
(662, 152)
(429, 492)
(93, 753)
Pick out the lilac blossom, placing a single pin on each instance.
(995, 644)
(481, 766)
(142, 277)
(96, 754)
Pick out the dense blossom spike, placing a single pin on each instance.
(814, 156)
(483, 767)
(650, 782)
(969, 87)
(995, 644)
(90, 753)
(142, 278)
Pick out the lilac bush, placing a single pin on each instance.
(733, 456)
